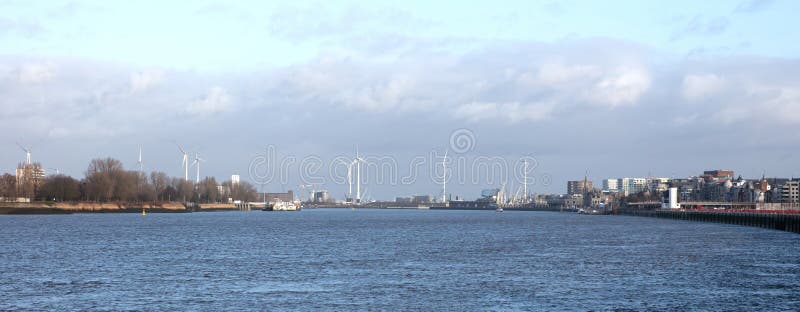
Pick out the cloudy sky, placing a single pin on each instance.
(618, 88)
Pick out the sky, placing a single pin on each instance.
(612, 88)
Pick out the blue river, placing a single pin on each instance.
(339, 259)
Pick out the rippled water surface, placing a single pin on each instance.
(330, 259)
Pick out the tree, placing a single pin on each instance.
(60, 188)
(8, 187)
(144, 190)
(207, 191)
(243, 191)
(159, 182)
(169, 193)
(107, 180)
(184, 188)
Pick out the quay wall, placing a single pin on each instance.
(84, 207)
(783, 221)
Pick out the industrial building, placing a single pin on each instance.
(280, 197)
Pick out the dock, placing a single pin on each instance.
(781, 220)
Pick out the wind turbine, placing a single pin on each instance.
(140, 160)
(444, 177)
(196, 163)
(184, 163)
(349, 179)
(55, 169)
(27, 153)
(525, 180)
(358, 162)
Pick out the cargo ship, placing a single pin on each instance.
(466, 205)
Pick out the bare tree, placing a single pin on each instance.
(185, 189)
(103, 178)
(243, 191)
(207, 191)
(60, 188)
(8, 187)
(144, 190)
(159, 181)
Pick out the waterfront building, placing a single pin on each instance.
(759, 194)
(30, 172)
(280, 197)
(628, 186)
(29, 178)
(321, 197)
(573, 200)
(717, 175)
(657, 184)
(403, 200)
(611, 185)
(421, 199)
(595, 198)
(579, 187)
(790, 191)
(714, 191)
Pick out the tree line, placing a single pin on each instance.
(106, 180)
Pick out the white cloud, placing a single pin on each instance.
(699, 86)
(144, 80)
(782, 104)
(731, 114)
(624, 87)
(553, 73)
(36, 73)
(511, 112)
(216, 101)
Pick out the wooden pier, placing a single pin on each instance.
(777, 220)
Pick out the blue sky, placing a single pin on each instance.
(622, 88)
(223, 36)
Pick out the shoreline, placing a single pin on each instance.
(94, 207)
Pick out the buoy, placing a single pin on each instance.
(144, 213)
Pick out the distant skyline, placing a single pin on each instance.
(619, 88)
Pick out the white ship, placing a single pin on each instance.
(284, 206)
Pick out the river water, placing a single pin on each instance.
(338, 259)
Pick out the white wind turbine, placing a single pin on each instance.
(444, 177)
(349, 179)
(358, 161)
(27, 151)
(525, 181)
(184, 163)
(140, 160)
(196, 163)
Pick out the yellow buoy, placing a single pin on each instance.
(144, 213)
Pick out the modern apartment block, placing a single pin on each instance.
(629, 186)
(611, 185)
